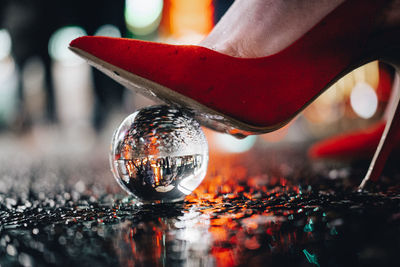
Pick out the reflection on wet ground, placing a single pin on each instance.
(257, 209)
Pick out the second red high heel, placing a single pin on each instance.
(361, 143)
(245, 96)
(356, 144)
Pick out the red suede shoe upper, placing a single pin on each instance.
(361, 143)
(260, 91)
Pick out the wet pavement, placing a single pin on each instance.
(267, 207)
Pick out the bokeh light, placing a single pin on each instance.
(8, 90)
(364, 100)
(108, 30)
(143, 16)
(5, 44)
(228, 143)
(8, 78)
(186, 22)
(59, 42)
(347, 103)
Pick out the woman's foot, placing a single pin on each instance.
(258, 28)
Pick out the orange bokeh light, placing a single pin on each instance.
(182, 17)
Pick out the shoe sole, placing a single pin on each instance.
(205, 115)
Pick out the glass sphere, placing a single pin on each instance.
(159, 154)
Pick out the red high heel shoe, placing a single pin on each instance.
(356, 144)
(245, 96)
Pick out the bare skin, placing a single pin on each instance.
(258, 28)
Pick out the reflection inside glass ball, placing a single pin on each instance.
(159, 154)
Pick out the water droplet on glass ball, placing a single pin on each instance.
(159, 154)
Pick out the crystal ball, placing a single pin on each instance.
(159, 154)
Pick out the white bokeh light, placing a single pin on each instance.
(108, 30)
(5, 44)
(143, 16)
(59, 42)
(364, 100)
(231, 144)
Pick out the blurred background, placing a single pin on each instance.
(51, 100)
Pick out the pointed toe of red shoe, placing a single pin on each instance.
(222, 87)
(190, 76)
(128, 54)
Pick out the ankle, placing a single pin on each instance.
(257, 28)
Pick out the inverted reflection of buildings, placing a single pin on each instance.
(162, 170)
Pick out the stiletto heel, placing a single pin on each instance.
(385, 145)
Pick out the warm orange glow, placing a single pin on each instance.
(218, 233)
(157, 172)
(153, 146)
(368, 73)
(330, 106)
(224, 257)
(229, 181)
(183, 17)
(277, 135)
(126, 151)
(131, 168)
